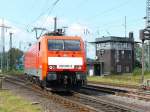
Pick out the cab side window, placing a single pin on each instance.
(39, 46)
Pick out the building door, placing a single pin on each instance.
(99, 69)
(102, 68)
(119, 69)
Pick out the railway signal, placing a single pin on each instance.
(144, 34)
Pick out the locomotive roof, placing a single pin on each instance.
(61, 37)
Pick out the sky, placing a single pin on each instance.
(98, 17)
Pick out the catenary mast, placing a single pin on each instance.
(148, 28)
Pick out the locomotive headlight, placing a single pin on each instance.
(78, 66)
(52, 66)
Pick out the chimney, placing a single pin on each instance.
(131, 35)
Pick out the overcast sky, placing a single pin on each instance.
(100, 17)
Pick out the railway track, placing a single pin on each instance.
(115, 85)
(77, 101)
(105, 89)
(99, 104)
(136, 94)
(54, 97)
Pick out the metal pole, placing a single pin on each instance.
(55, 24)
(3, 46)
(142, 78)
(10, 40)
(86, 48)
(10, 51)
(125, 27)
(3, 27)
(7, 63)
(101, 69)
(1, 50)
(1, 82)
(148, 55)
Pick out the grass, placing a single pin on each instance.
(132, 79)
(14, 72)
(11, 103)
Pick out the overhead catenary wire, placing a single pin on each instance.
(82, 3)
(52, 8)
(115, 24)
(48, 10)
(43, 12)
(33, 4)
(109, 10)
(55, 2)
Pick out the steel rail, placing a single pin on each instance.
(78, 101)
(79, 107)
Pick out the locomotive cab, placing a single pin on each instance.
(66, 62)
(57, 62)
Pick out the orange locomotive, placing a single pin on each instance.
(57, 61)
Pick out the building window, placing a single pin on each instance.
(122, 54)
(98, 46)
(100, 53)
(117, 55)
(124, 46)
(129, 56)
(118, 68)
(104, 44)
(112, 45)
(127, 68)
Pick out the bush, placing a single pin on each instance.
(15, 72)
(137, 71)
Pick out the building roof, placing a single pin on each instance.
(114, 39)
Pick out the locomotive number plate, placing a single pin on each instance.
(65, 66)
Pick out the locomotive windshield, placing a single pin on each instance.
(66, 45)
(55, 45)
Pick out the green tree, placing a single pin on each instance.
(138, 56)
(14, 55)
